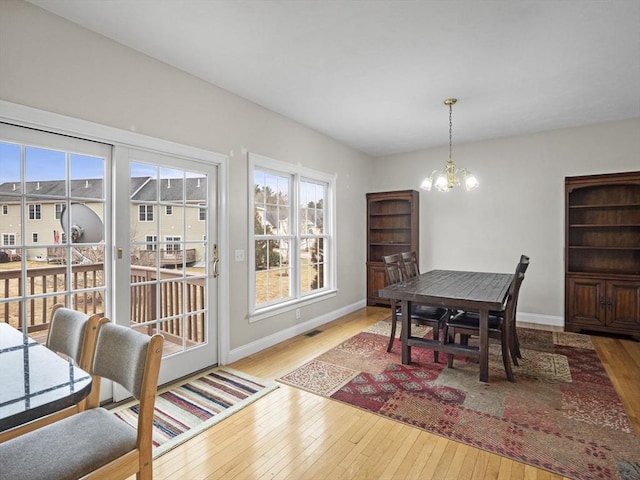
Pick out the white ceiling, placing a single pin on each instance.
(373, 74)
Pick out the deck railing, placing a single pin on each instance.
(42, 283)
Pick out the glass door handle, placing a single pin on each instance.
(214, 262)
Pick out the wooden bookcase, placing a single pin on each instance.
(602, 253)
(392, 227)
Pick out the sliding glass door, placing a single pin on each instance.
(170, 242)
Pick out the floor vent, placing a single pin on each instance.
(313, 333)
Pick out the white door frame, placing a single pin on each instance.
(35, 118)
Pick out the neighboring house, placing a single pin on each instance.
(44, 230)
(43, 212)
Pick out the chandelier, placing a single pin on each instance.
(444, 180)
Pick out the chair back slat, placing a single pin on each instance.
(410, 264)
(393, 268)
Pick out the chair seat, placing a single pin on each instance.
(426, 311)
(423, 312)
(471, 320)
(70, 448)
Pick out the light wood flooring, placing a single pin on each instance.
(292, 434)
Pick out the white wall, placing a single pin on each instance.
(519, 206)
(54, 65)
(51, 64)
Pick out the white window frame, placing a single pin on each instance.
(5, 209)
(7, 239)
(145, 210)
(58, 208)
(296, 174)
(171, 242)
(35, 211)
(168, 209)
(151, 243)
(35, 237)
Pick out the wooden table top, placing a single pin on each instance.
(452, 288)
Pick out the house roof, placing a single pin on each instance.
(142, 189)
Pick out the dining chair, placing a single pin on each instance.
(420, 314)
(95, 443)
(514, 343)
(410, 264)
(514, 346)
(467, 324)
(72, 334)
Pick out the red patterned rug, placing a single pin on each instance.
(562, 414)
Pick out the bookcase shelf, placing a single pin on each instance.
(602, 253)
(392, 227)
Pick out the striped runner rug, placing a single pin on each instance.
(184, 410)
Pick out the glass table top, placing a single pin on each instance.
(35, 381)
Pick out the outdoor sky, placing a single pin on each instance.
(44, 164)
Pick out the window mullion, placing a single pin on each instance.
(295, 233)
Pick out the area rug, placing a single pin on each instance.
(562, 413)
(182, 411)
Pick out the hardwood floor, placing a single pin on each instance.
(292, 434)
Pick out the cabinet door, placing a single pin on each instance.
(586, 302)
(376, 279)
(623, 304)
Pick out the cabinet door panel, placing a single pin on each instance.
(624, 306)
(376, 280)
(585, 297)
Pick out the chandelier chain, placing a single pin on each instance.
(450, 127)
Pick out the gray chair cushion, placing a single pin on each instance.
(121, 355)
(67, 449)
(67, 332)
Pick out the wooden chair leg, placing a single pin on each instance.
(394, 320)
(514, 351)
(436, 336)
(516, 342)
(506, 358)
(514, 347)
(450, 339)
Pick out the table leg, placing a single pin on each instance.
(484, 345)
(406, 331)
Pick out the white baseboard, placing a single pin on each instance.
(539, 319)
(271, 340)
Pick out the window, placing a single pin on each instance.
(173, 247)
(145, 213)
(291, 234)
(59, 208)
(5, 209)
(8, 239)
(151, 241)
(35, 210)
(34, 237)
(168, 210)
(202, 214)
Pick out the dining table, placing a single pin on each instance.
(35, 381)
(480, 292)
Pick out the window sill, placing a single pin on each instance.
(274, 310)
